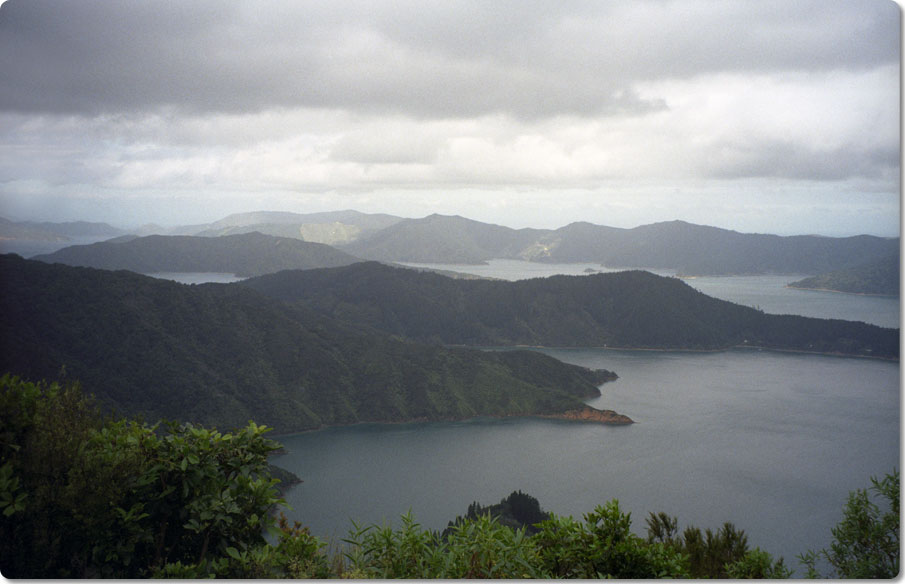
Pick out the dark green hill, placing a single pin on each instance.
(247, 254)
(623, 309)
(223, 354)
(881, 277)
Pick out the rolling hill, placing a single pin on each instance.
(632, 309)
(702, 250)
(675, 245)
(443, 239)
(223, 354)
(248, 254)
(332, 227)
(47, 231)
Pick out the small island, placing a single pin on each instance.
(880, 278)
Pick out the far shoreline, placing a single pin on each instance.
(685, 350)
(806, 289)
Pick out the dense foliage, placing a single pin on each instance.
(880, 277)
(246, 254)
(517, 511)
(223, 354)
(86, 496)
(82, 496)
(632, 309)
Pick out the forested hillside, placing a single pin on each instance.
(624, 309)
(224, 354)
(247, 254)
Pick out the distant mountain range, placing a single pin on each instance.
(632, 309)
(35, 231)
(331, 228)
(682, 247)
(686, 248)
(223, 354)
(248, 254)
(335, 227)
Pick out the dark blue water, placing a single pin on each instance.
(770, 441)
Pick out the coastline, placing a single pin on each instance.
(585, 414)
(807, 289)
(684, 350)
(592, 415)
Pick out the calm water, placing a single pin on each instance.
(772, 442)
(770, 294)
(198, 277)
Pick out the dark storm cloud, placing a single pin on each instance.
(424, 59)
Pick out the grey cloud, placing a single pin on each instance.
(425, 59)
(791, 160)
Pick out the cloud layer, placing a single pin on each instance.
(182, 100)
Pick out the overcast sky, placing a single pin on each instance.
(756, 115)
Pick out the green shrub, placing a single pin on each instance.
(866, 541)
(88, 497)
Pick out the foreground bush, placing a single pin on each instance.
(85, 496)
(866, 541)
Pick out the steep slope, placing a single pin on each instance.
(444, 239)
(245, 255)
(623, 309)
(224, 354)
(880, 277)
